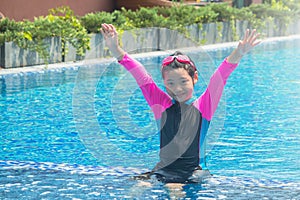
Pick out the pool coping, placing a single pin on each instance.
(72, 64)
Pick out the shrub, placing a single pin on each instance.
(61, 22)
(69, 28)
(278, 12)
(92, 21)
(294, 6)
(8, 30)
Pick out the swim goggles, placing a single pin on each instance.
(180, 58)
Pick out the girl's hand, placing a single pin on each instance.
(248, 42)
(244, 46)
(111, 40)
(110, 35)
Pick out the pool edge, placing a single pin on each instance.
(72, 64)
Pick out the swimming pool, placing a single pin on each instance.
(82, 132)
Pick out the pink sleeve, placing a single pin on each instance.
(157, 99)
(207, 103)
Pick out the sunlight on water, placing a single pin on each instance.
(43, 155)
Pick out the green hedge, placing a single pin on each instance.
(61, 22)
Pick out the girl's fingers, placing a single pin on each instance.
(110, 27)
(114, 30)
(108, 30)
(246, 36)
(256, 43)
(253, 36)
(252, 33)
(102, 30)
(105, 28)
(254, 39)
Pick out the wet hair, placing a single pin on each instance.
(176, 64)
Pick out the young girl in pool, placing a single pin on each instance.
(183, 122)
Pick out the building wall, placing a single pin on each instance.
(257, 1)
(135, 4)
(28, 9)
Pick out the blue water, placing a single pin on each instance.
(82, 132)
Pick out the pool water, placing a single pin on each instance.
(82, 132)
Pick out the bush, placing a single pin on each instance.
(276, 11)
(294, 6)
(92, 21)
(69, 28)
(61, 22)
(8, 30)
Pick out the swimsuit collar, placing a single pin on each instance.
(188, 102)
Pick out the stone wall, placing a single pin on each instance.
(144, 40)
(13, 56)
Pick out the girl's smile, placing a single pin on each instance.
(179, 84)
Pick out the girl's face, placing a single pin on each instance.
(179, 84)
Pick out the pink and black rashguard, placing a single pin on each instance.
(183, 126)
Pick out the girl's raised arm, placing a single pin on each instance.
(209, 100)
(157, 99)
(111, 40)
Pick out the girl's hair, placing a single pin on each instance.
(176, 64)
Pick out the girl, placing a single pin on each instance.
(183, 124)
